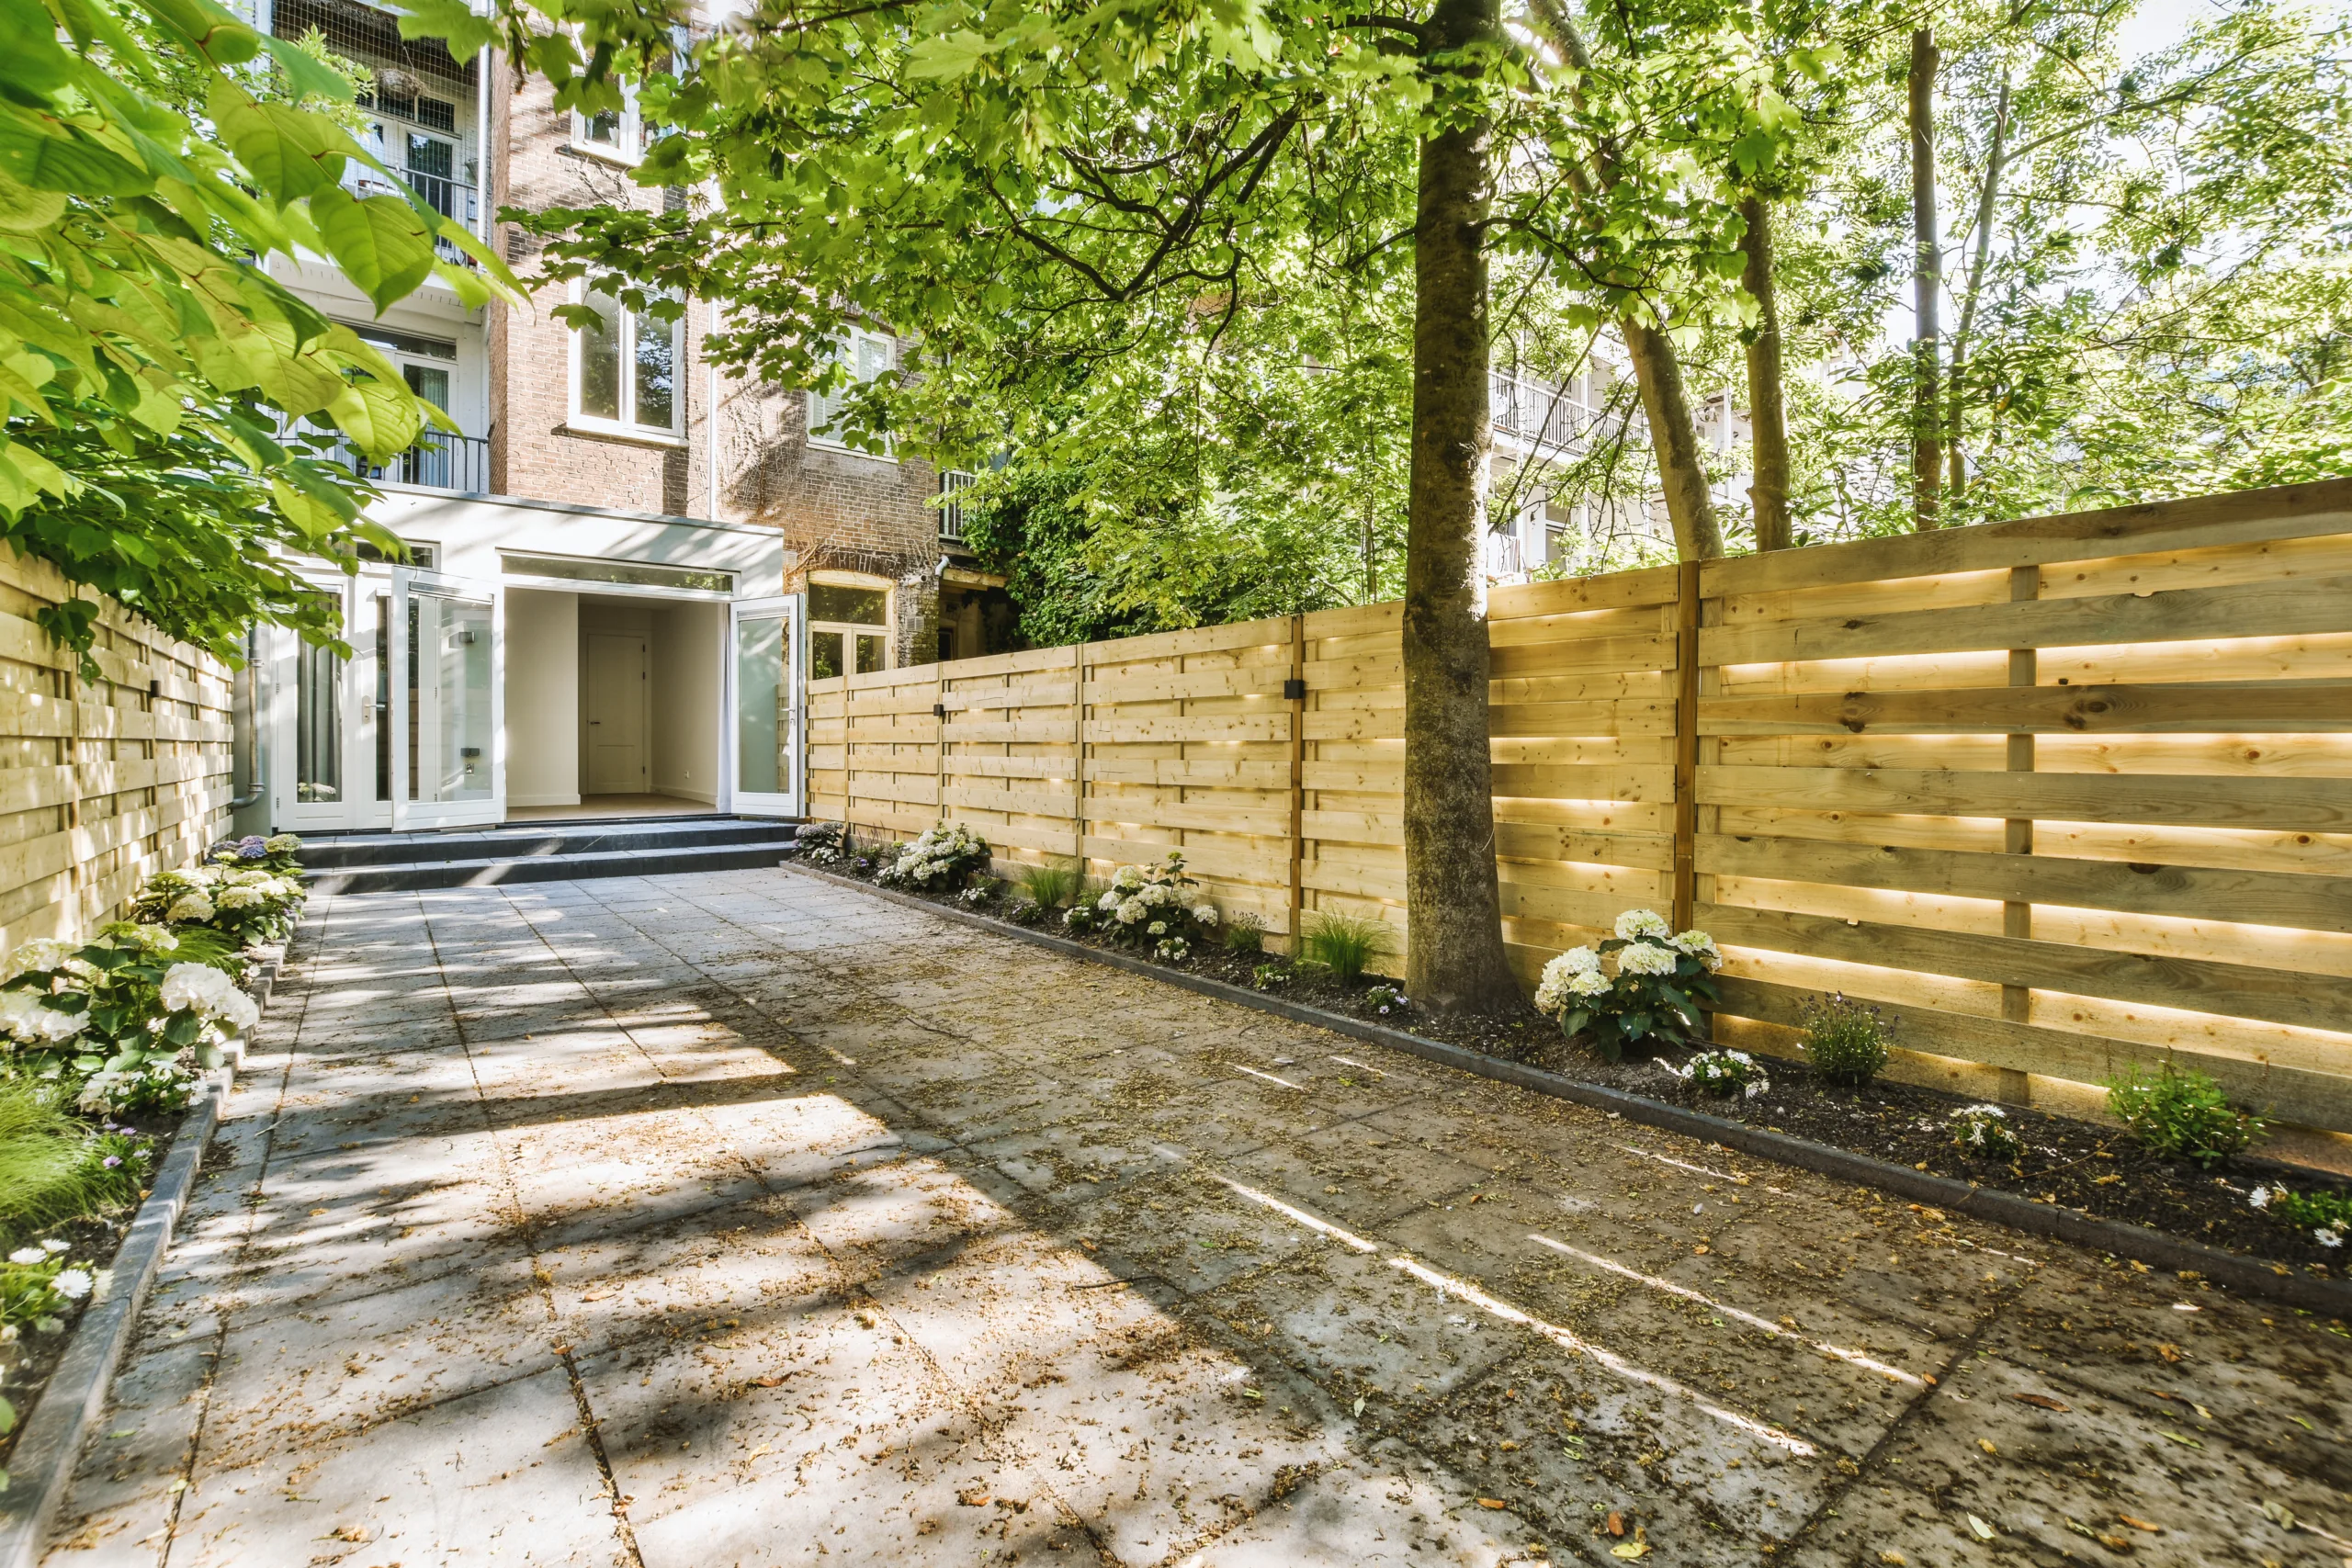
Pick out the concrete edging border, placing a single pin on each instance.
(2248, 1275)
(41, 1468)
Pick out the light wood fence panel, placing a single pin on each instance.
(102, 782)
(2070, 793)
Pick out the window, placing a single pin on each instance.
(620, 134)
(849, 628)
(625, 370)
(634, 574)
(866, 355)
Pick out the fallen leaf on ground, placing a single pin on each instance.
(766, 1382)
(2175, 1437)
(1492, 1502)
(2169, 1352)
(1987, 1444)
(1977, 1527)
(1630, 1549)
(973, 1497)
(2041, 1402)
(1616, 1522)
(2141, 1524)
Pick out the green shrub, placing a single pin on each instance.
(1244, 933)
(2183, 1114)
(1846, 1041)
(1054, 885)
(1982, 1132)
(2327, 1216)
(1266, 975)
(1343, 943)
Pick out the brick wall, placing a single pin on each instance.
(832, 508)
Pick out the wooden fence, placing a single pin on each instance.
(2066, 793)
(102, 782)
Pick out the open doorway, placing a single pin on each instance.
(613, 704)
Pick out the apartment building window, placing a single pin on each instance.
(866, 355)
(625, 371)
(849, 626)
(618, 134)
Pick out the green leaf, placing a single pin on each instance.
(46, 153)
(292, 153)
(380, 243)
(1573, 1022)
(308, 74)
(453, 21)
(952, 55)
(209, 29)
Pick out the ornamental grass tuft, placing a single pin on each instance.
(1342, 944)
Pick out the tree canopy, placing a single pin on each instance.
(152, 152)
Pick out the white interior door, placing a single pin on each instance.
(448, 715)
(615, 706)
(316, 786)
(765, 657)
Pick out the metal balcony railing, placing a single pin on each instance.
(952, 482)
(1546, 416)
(438, 461)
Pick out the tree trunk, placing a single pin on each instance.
(1927, 284)
(1454, 960)
(1675, 438)
(1767, 407)
(1987, 202)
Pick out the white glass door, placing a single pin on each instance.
(448, 758)
(764, 666)
(328, 726)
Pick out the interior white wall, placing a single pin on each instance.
(685, 679)
(542, 698)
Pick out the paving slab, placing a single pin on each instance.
(738, 1219)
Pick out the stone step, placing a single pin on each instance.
(538, 840)
(567, 851)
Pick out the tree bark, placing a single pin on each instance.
(1454, 960)
(1767, 404)
(1987, 201)
(1690, 505)
(1927, 284)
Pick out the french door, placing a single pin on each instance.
(326, 757)
(767, 647)
(448, 718)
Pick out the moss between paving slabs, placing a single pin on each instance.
(2073, 1163)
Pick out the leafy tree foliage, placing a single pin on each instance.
(152, 151)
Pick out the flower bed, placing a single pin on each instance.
(103, 1044)
(2091, 1168)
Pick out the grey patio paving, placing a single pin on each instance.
(744, 1219)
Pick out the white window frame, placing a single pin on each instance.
(629, 148)
(674, 432)
(887, 627)
(822, 408)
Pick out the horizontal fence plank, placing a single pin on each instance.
(2300, 707)
(2204, 800)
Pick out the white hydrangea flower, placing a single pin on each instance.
(47, 953)
(1588, 983)
(200, 988)
(1110, 901)
(1645, 958)
(2259, 1197)
(281, 843)
(1128, 877)
(16, 1010)
(71, 1283)
(193, 908)
(1567, 978)
(1205, 913)
(1698, 945)
(52, 1025)
(1635, 925)
(1130, 910)
(1580, 960)
(239, 898)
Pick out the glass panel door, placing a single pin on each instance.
(446, 704)
(315, 722)
(765, 667)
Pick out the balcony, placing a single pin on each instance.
(952, 483)
(438, 461)
(1545, 417)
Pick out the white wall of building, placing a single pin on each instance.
(686, 693)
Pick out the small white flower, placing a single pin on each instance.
(73, 1284)
(1157, 927)
(54, 1245)
(1636, 924)
(2259, 1197)
(29, 1254)
(2328, 1238)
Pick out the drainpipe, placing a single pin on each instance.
(481, 145)
(710, 414)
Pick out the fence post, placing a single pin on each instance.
(2017, 836)
(1296, 689)
(1685, 745)
(1078, 753)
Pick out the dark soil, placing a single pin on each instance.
(2073, 1163)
